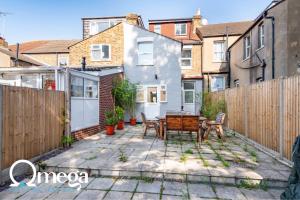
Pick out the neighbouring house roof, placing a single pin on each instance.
(44, 46)
(114, 17)
(158, 21)
(258, 19)
(233, 28)
(21, 57)
(191, 42)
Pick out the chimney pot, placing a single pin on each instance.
(133, 19)
(3, 43)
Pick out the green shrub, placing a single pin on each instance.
(211, 108)
(110, 118)
(67, 140)
(119, 113)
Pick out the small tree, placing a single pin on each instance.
(211, 108)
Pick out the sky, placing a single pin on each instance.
(61, 19)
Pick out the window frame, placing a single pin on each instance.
(247, 47)
(261, 35)
(157, 92)
(111, 23)
(189, 90)
(150, 63)
(224, 83)
(62, 57)
(223, 52)
(188, 47)
(160, 90)
(141, 88)
(176, 27)
(155, 26)
(84, 88)
(101, 52)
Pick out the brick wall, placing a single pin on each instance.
(106, 99)
(83, 133)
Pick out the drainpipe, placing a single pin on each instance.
(229, 68)
(263, 70)
(17, 56)
(272, 18)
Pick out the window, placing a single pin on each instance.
(145, 53)
(48, 82)
(163, 93)
(63, 61)
(100, 52)
(186, 57)
(90, 88)
(140, 95)
(152, 94)
(29, 81)
(261, 36)
(247, 47)
(10, 79)
(96, 27)
(189, 92)
(219, 51)
(180, 29)
(157, 28)
(217, 83)
(76, 86)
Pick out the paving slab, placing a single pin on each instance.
(201, 191)
(113, 195)
(256, 194)
(145, 196)
(91, 195)
(101, 184)
(153, 187)
(224, 192)
(174, 188)
(126, 185)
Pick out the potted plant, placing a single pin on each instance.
(120, 117)
(110, 122)
(131, 104)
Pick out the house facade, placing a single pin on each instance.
(270, 48)
(215, 40)
(149, 60)
(47, 52)
(184, 30)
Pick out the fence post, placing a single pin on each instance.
(68, 102)
(1, 131)
(281, 117)
(246, 111)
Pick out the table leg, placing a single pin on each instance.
(161, 129)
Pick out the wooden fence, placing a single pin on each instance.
(31, 122)
(267, 112)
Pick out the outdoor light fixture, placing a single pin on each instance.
(156, 76)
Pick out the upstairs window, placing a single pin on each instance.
(180, 29)
(63, 61)
(261, 36)
(99, 26)
(157, 28)
(217, 83)
(186, 57)
(247, 47)
(100, 52)
(145, 53)
(219, 51)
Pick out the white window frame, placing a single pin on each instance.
(179, 25)
(157, 26)
(111, 22)
(145, 40)
(157, 95)
(223, 87)
(62, 57)
(160, 90)
(101, 52)
(189, 90)
(261, 36)
(247, 47)
(141, 88)
(187, 47)
(218, 42)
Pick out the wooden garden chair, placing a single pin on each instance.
(148, 124)
(217, 125)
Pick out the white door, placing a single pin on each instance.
(189, 96)
(152, 105)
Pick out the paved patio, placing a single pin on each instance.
(126, 166)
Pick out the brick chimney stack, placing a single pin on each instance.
(197, 20)
(3, 43)
(133, 19)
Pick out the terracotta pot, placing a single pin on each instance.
(110, 129)
(120, 125)
(133, 121)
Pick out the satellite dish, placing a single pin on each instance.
(204, 21)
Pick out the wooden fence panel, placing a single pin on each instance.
(254, 111)
(31, 123)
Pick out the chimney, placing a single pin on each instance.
(197, 20)
(3, 43)
(133, 19)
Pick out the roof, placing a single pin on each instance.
(233, 28)
(44, 46)
(190, 41)
(20, 57)
(157, 21)
(258, 19)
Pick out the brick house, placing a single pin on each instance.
(269, 48)
(47, 52)
(184, 30)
